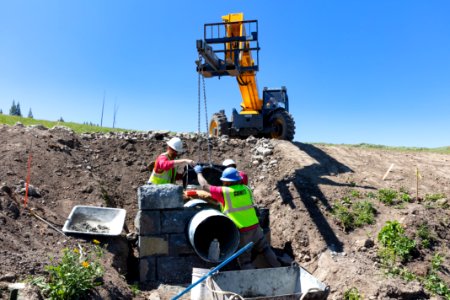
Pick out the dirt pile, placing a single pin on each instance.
(298, 182)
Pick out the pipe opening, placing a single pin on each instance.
(212, 174)
(207, 225)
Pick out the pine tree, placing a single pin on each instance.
(61, 119)
(30, 114)
(13, 109)
(1, 111)
(18, 112)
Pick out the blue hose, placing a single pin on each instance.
(243, 249)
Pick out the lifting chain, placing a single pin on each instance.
(201, 82)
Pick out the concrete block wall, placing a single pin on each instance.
(165, 253)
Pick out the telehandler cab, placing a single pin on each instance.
(235, 40)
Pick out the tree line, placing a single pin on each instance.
(16, 111)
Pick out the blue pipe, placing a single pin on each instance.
(226, 261)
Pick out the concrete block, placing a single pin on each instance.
(153, 245)
(160, 196)
(179, 245)
(147, 269)
(176, 221)
(178, 270)
(148, 222)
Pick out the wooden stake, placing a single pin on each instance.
(387, 172)
(417, 183)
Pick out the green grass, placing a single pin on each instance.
(78, 128)
(445, 150)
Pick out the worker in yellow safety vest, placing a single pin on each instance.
(236, 202)
(166, 166)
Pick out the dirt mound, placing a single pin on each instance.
(298, 182)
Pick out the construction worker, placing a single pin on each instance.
(166, 166)
(236, 202)
(231, 163)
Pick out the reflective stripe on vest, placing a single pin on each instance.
(239, 205)
(164, 177)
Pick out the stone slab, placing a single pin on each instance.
(161, 196)
(148, 222)
(153, 245)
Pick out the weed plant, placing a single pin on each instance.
(391, 197)
(431, 200)
(434, 197)
(403, 273)
(405, 197)
(395, 243)
(364, 213)
(371, 195)
(387, 196)
(352, 294)
(345, 217)
(356, 194)
(135, 289)
(433, 282)
(354, 214)
(426, 239)
(79, 271)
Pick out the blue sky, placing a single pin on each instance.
(356, 71)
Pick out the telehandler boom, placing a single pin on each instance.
(235, 43)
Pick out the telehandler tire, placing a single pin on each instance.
(283, 126)
(218, 125)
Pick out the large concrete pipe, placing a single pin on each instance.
(206, 228)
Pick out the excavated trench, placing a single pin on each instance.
(297, 182)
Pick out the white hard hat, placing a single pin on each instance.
(176, 144)
(228, 162)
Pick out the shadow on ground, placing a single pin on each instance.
(306, 182)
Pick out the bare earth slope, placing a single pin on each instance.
(298, 182)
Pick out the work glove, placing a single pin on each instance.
(198, 169)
